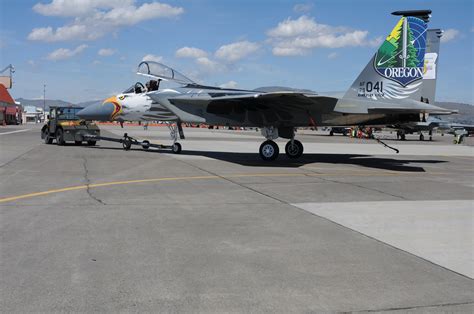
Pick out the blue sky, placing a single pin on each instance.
(89, 49)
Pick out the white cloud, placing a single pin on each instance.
(190, 52)
(209, 65)
(64, 53)
(333, 55)
(150, 57)
(32, 63)
(303, 7)
(236, 51)
(106, 52)
(299, 36)
(66, 8)
(93, 19)
(449, 35)
(223, 58)
(230, 84)
(288, 51)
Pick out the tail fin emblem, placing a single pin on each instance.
(400, 58)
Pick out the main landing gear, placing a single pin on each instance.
(269, 150)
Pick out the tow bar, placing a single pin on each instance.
(128, 141)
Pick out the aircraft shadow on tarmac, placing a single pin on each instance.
(253, 160)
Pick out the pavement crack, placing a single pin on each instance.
(19, 156)
(411, 307)
(86, 178)
(233, 182)
(360, 186)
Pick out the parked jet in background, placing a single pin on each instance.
(389, 90)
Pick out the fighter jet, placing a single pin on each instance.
(389, 90)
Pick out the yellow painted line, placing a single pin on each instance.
(96, 185)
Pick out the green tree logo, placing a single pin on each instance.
(412, 60)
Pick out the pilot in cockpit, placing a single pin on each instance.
(152, 85)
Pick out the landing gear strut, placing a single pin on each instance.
(175, 130)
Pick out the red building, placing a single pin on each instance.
(10, 112)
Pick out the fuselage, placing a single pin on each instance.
(141, 107)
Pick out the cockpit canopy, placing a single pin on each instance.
(162, 72)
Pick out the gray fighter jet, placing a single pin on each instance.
(390, 90)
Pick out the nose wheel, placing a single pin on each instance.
(294, 149)
(269, 150)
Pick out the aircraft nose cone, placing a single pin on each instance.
(97, 112)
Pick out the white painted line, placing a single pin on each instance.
(12, 132)
(439, 231)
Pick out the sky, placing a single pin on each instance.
(90, 49)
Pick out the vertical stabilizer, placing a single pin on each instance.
(430, 71)
(396, 69)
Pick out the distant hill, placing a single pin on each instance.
(465, 115)
(39, 102)
(90, 102)
(54, 102)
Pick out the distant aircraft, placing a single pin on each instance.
(432, 123)
(389, 90)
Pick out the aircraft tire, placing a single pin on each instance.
(176, 148)
(422, 137)
(294, 151)
(47, 138)
(269, 150)
(60, 137)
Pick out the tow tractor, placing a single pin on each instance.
(64, 125)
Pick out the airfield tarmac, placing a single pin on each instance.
(349, 227)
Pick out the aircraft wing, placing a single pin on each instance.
(271, 107)
(281, 106)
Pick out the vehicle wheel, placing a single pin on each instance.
(269, 150)
(126, 144)
(60, 137)
(146, 144)
(78, 142)
(47, 138)
(294, 150)
(176, 148)
(91, 143)
(422, 137)
(331, 133)
(403, 137)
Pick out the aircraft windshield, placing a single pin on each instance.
(129, 90)
(161, 71)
